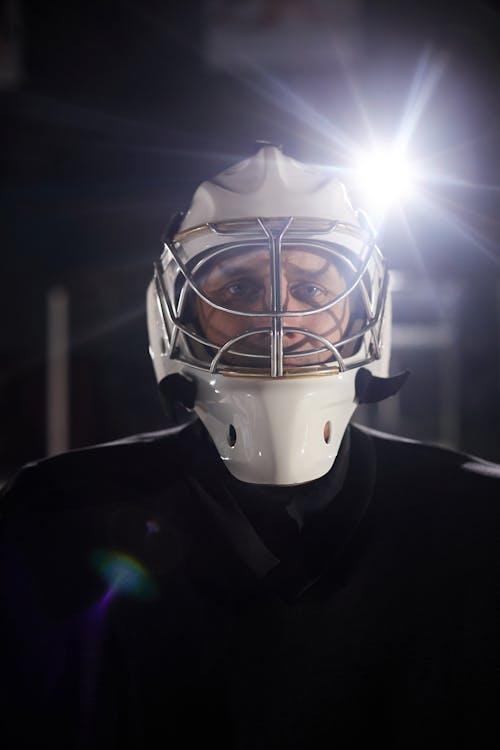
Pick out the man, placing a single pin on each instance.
(262, 574)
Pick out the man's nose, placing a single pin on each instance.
(291, 304)
(282, 299)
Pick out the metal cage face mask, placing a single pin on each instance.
(272, 297)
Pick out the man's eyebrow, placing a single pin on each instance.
(241, 269)
(234, 271)
(309, 273)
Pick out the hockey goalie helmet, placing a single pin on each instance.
(269, 298)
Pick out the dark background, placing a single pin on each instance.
(115, 115)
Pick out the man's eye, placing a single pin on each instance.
(241, 288)
(307, 292)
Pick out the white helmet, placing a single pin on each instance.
(268, 315)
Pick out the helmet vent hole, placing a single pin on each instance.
(327, 432)
(231, 436)
(163, 346)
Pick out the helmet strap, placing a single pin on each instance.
(371, 389)
(173, 226)
(178, 394)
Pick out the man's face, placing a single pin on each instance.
(241, 280)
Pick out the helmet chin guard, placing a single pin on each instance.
(270, 299)
(275, 431)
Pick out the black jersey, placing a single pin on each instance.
(150, 599)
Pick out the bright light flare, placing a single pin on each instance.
(386, 176)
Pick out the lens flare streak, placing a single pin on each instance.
(124, 575)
